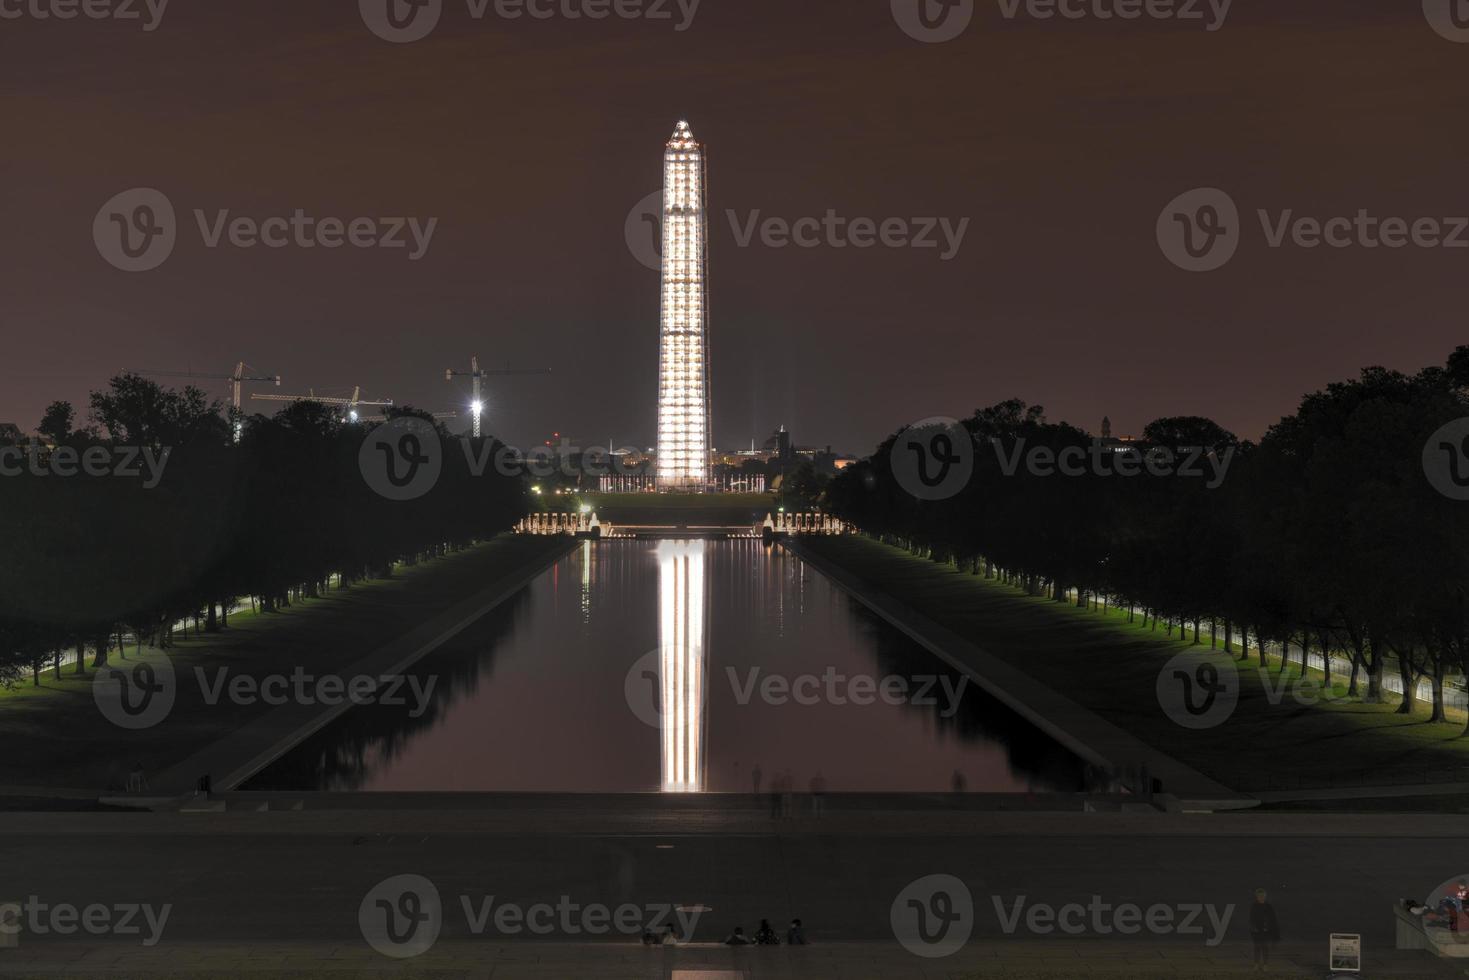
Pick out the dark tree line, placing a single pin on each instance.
(1325, 536)
(88, 560)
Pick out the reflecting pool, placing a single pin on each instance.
(682, 666)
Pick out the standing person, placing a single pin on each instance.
(755, 776)
(787, 794)
(796, 934)
(1264, 930)
(775, 796)
(818, 794)
(959, 783)
(765, 935)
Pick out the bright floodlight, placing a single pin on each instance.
(478, 407)
(683, 355)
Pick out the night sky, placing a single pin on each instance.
(530, 141)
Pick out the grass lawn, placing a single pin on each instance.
(1112, 666)
(58, 738)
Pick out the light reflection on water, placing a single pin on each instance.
(636, 666)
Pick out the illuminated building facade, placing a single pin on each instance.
(683, 352)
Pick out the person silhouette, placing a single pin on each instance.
(755, 777)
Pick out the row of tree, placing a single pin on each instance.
(278, 514)
(1327, 535)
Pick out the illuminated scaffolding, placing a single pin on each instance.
(683, 354)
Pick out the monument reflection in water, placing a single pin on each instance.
(638, 666)
(683, 663)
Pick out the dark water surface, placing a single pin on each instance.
(679, 666)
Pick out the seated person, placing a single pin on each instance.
(737, 938)
(765, 935)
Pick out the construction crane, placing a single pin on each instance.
(237, 380)
(350, 404)
(477, 376)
